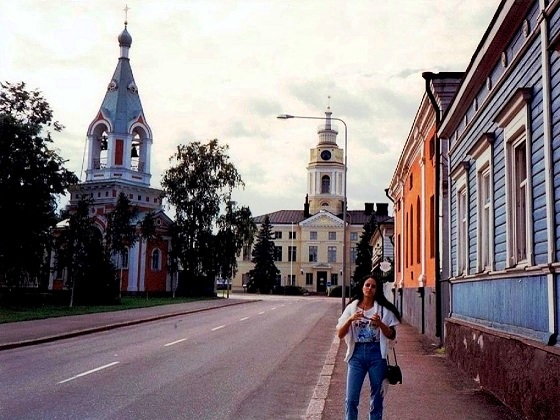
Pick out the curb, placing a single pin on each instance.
(317, 404)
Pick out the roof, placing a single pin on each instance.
(287, 217)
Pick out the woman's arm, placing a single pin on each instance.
(387, 331)
(344, 324)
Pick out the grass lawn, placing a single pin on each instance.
(26, 313)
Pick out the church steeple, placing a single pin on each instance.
(119, 138)
(325, 172)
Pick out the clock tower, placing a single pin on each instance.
(325, 172)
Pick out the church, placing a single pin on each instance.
(309, 243)
(119, 145)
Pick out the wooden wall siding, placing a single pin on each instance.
(526, 73)
(473, 220)
(507, 304)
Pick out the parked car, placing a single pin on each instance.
(290, 290)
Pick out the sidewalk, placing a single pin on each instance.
(432, 388)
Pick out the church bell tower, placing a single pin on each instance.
(325, 172)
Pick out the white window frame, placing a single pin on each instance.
(459, 177)
(482, 154)
(515, 120)
(156, 258)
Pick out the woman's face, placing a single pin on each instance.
(369, 288)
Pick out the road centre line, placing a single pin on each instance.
(174, 342)
(244, 318)
(217, 328)
(88, 372)
(260, 313)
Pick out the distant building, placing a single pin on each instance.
(309, 242)
(119, 146)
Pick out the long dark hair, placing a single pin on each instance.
(379, 296)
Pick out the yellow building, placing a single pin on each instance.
(309, 242)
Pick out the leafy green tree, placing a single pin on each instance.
(32, 175)
(199, 186)
(364, 251)
(236, 227)
(121, 233)
(263, 275)
(90, 274)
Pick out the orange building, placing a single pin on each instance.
(415, 190)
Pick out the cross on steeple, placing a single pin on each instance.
(126, 9)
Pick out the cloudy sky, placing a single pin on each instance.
(226, 68)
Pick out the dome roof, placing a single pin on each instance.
(125, 40)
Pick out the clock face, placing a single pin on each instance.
(325, 155)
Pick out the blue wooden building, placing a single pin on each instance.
(502, 131)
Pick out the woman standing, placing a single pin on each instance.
(367, 324)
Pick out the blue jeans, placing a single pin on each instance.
(366, 359)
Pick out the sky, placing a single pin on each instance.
(226, 69)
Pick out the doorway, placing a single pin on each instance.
(321, 282)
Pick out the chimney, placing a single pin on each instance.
(306, 206)
(368, 208)
(382, 209)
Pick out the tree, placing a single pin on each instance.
(121, 233)
(90, 274)
(236, 228)
(263, 276)
(31, 176)
(199, 186)
(364, 251)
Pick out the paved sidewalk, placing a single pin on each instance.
(432, 388)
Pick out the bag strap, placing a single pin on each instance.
(395, 356)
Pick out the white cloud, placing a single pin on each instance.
(226, 68)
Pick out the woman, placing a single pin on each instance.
(367, 324)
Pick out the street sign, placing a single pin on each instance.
(328, 284)
(385, 266)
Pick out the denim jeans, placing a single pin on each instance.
(366, 359)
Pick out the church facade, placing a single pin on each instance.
(119, 146)
(309, 243)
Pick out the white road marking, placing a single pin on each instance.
(273, 309)
(244, 318)
(174, 342)
(260, 313)
(88, 372)
(217, 328)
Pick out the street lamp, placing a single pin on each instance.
(345, 229)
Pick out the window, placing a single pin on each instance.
(481, 153)
(332, 236)
(519, 191)
(292, 251)
(325, 184)
(247, 252)
(277, 253)
(313, 253)
(484, 214)
(292, 235)
(334, 279)
(513, 119)
(156, 260)
(313, 235)
(353, 236)
(292, 279)
(277, 235)
(353, 254)
(331, 254)
(124, 259)
(418, 230)
(462, 226)
(433, 227)
(309, 279)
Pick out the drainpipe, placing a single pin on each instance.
(428, 77)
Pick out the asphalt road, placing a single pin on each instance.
(258, 361)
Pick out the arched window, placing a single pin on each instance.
(156, 260)
(325, 184)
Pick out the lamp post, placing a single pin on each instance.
(345, 229)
